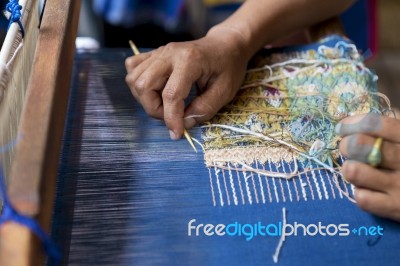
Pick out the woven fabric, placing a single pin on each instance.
(281, 123)
(126, 193)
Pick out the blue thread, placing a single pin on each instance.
(15, 9)
(10, 214)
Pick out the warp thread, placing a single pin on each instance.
(14, 8)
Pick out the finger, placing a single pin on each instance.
(175, 92)
(372, 124)
(133, 61)
(373, 201)
(359, 146)
(366, 176)
(149, 85)
(155, 76)
(137, 64)
(205, 106)
(138, 87)
(150, 100)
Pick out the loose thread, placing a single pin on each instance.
(7, 65)
(275, 257)
(20, 45)
(246, 167)
(198, 142)
(14, 8)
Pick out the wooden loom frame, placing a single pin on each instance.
(34, 167)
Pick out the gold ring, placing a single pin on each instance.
(375, 156)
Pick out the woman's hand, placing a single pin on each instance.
(377, 189)
(162, 79)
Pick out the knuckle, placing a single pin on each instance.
(185, 50)
(128, 80)
(190, 53)
(129, 62)
(140, 86)
(205, 108)
(170, 46)
(152, 111)
(170, 94)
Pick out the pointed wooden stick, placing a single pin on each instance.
(134, 48)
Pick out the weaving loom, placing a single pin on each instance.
(126, 193)
(35, 79)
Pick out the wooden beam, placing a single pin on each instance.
(325, 28)
(34, 168)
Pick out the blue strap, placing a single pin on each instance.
(10, 214)
(15, 9)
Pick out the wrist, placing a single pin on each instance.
(233, 38)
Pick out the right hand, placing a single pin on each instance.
(161, 79)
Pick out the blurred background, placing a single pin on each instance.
(387, 60)
(372, 24)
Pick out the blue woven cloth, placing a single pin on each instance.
(127, 193)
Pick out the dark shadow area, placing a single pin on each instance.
(146, 35)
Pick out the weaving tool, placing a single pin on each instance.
(185, 133)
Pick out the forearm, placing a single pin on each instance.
(259, 22)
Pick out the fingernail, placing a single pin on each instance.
(189, 122)
(172, 135)
(337, 128)
(346, 169)
(345, 179)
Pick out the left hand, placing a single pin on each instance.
(377, 189)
